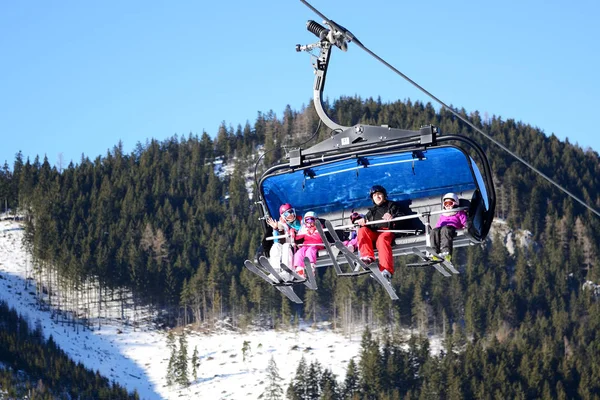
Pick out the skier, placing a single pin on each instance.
(442, 236)
(287, 225)
(352, 242)
(383, 209)
(311, 243)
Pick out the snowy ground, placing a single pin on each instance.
(138, 360)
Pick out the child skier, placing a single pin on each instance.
(352, 242)
(287, 226)
(311, 243)
(442, 236)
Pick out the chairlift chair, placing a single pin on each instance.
(417, 167)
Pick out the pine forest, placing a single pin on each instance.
(163, 234)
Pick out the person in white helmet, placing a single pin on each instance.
(311, 243)
(444, 232)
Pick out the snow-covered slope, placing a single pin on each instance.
(138, 359)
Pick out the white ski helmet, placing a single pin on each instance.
(310, 214)
(451, 196)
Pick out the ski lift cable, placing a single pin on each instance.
(351, 38)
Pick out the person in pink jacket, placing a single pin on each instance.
(311, 243)
(444, 232)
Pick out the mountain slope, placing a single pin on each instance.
(138, 359)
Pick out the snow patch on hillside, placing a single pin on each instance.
(593, 287)
(512, 238)
(224, 170)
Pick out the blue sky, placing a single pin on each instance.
(77, 77)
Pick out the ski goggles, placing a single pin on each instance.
(309, 220)
(289, 212)
(449, 203)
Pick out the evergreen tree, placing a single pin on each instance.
(350, 387)
(245, 349)
(172, 366)
(313, 380)
(182, 362)
(370, 366)
(6, 187)
(298, 388)
(329, 386)
(195, 363)
(273, 391)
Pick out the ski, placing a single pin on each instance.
(286, 290)
(446, 264)
(310, 274)
(372, 268)
(293, 274)
(332, 256)
(264, 262)
(429, 261)
(289, 293)
(298, 279)
(257, 271)
(351, 261)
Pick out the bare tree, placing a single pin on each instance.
(60, 162)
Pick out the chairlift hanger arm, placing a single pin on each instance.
(326, 40)
(358, 135)
(339, 32)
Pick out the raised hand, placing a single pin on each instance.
(272, 223)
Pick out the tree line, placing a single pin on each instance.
(532, 365)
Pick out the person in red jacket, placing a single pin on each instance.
(442, 236)
(383, 209)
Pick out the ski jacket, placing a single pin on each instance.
(377, 212)
(458, 220)
(309, 235)
(284, 227)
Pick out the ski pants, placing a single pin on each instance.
(383, 242)
(305, 251)
(352, 242)
(442, 238)
(281, 253)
